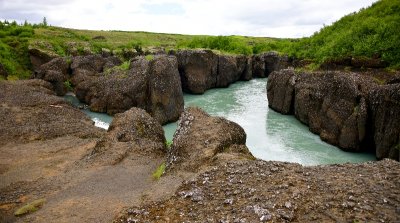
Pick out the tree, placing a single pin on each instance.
(44, 23)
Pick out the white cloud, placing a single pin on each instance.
(275, 18)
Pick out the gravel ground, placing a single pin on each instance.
(260, 191)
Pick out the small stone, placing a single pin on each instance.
(265, 218)
(288, 205)
(228, 201)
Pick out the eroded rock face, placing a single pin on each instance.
(385, 115)
(151, 85)
(56, 72)
(165, 91)
(198, 70)
(200, 138)
(266, 63)
(346, 109)
(280, 91)
(39, 56)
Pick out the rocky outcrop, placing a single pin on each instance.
(151, 85)
(384, 107)
(198, 70)
(165, 91)
(200, 138)
(266, 63)
(39, 56)
(201, 70)
(56, 72)
(29, 110)
(346, 109)
(280, 91)
(130, 133)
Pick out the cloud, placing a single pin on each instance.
(275, 18)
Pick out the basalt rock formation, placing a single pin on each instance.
(346, 109)
(200, 138)
(151, 85)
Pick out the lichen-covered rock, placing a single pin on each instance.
(385, 115)
(200, 137)
(198, 70)
(56, 72)
(280, 90)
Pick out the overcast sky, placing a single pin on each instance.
(269, 18)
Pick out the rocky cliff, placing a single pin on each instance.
(156, 84)
(346, 109)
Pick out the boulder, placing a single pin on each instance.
(198, 70)
(201, 137)
(131, 133)
(384, 106)
(133, 125)
(56, 72)
(280, 91)
(165, 90)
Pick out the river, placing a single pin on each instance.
(270, 135)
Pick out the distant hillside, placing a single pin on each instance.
(373, 32)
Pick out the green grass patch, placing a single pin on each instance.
(30, 207)
(159, 172)
(68, 85)
(149, 57)
(168, 144)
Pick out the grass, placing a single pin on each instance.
(30, 207)
(370, 33)
(159, 172)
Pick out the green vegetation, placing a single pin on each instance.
(159, 172)
(168, 144)
(370, 33)
(30, 207)
(149, 57)
(68, 85)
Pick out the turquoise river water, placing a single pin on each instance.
(270, 135)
